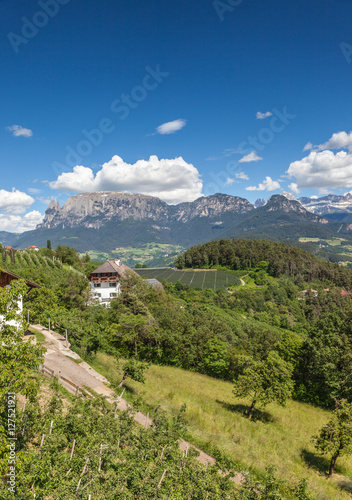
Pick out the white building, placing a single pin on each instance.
(105, 280)
(5, 281)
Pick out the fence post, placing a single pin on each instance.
(24, 427)
(41, 444)
(73, 447)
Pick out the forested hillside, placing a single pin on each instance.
(281, 259)
(284, 334)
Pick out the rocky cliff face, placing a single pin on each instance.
(328, 204)
(280, 203)
(212, 207)
(94, 210)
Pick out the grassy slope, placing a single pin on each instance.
(215, 417)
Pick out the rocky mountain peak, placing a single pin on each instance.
(94, 210)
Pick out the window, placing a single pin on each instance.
(112, 285)
(113, 295)
(97, 285)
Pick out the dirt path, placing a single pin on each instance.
(242, 282)
(63, 361)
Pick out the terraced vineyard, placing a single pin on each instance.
(199, 278)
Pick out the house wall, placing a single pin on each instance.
(105, 292)
(19, 310)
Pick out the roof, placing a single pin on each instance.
(154, 283)
(113, 266)
(14, 276)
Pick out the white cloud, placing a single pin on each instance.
(239, 175)
(308, 146)
(323, 170)
(30, 221)
(34, 190)
(252, 156)
(339, 140)
(262, 116)
(19, 131)
(18, 224)
(173, 181)
(9, 222)
(242, 175)
(267, 185)
(14, 201)
(294, 188)
(171, 127)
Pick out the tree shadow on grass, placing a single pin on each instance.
(261, 415)
(314, 461)
(345, 484)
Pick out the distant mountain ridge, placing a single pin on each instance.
(104, 221)
(94, 210)
(324, 205)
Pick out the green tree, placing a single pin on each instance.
(335, 437)
(18, 358)
(215, 357)
(68, 255)
(133, 369)
(264, 381)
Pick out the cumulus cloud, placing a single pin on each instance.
(293, 187)
(238, 175)
(267, 185)
(308, 146)
(30, 221)
(18, 224)
(339, 140)
(173, 181)
(9, 222)
(171, 127)
(19, 131)
(323, 170)
(252, 156)
(262, 116)
(242, 175)
(15, 201)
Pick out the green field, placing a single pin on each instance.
(151, 254)
(203, 279)
(278, 436)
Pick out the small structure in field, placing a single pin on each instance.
(154, 283)
(105, 280)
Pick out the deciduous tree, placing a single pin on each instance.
(335, 437)
(264, 381)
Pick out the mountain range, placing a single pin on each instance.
(103, 221)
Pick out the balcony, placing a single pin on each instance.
(105, 279)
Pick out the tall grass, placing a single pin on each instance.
(278, 436)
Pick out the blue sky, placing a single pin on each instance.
(244, 87)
